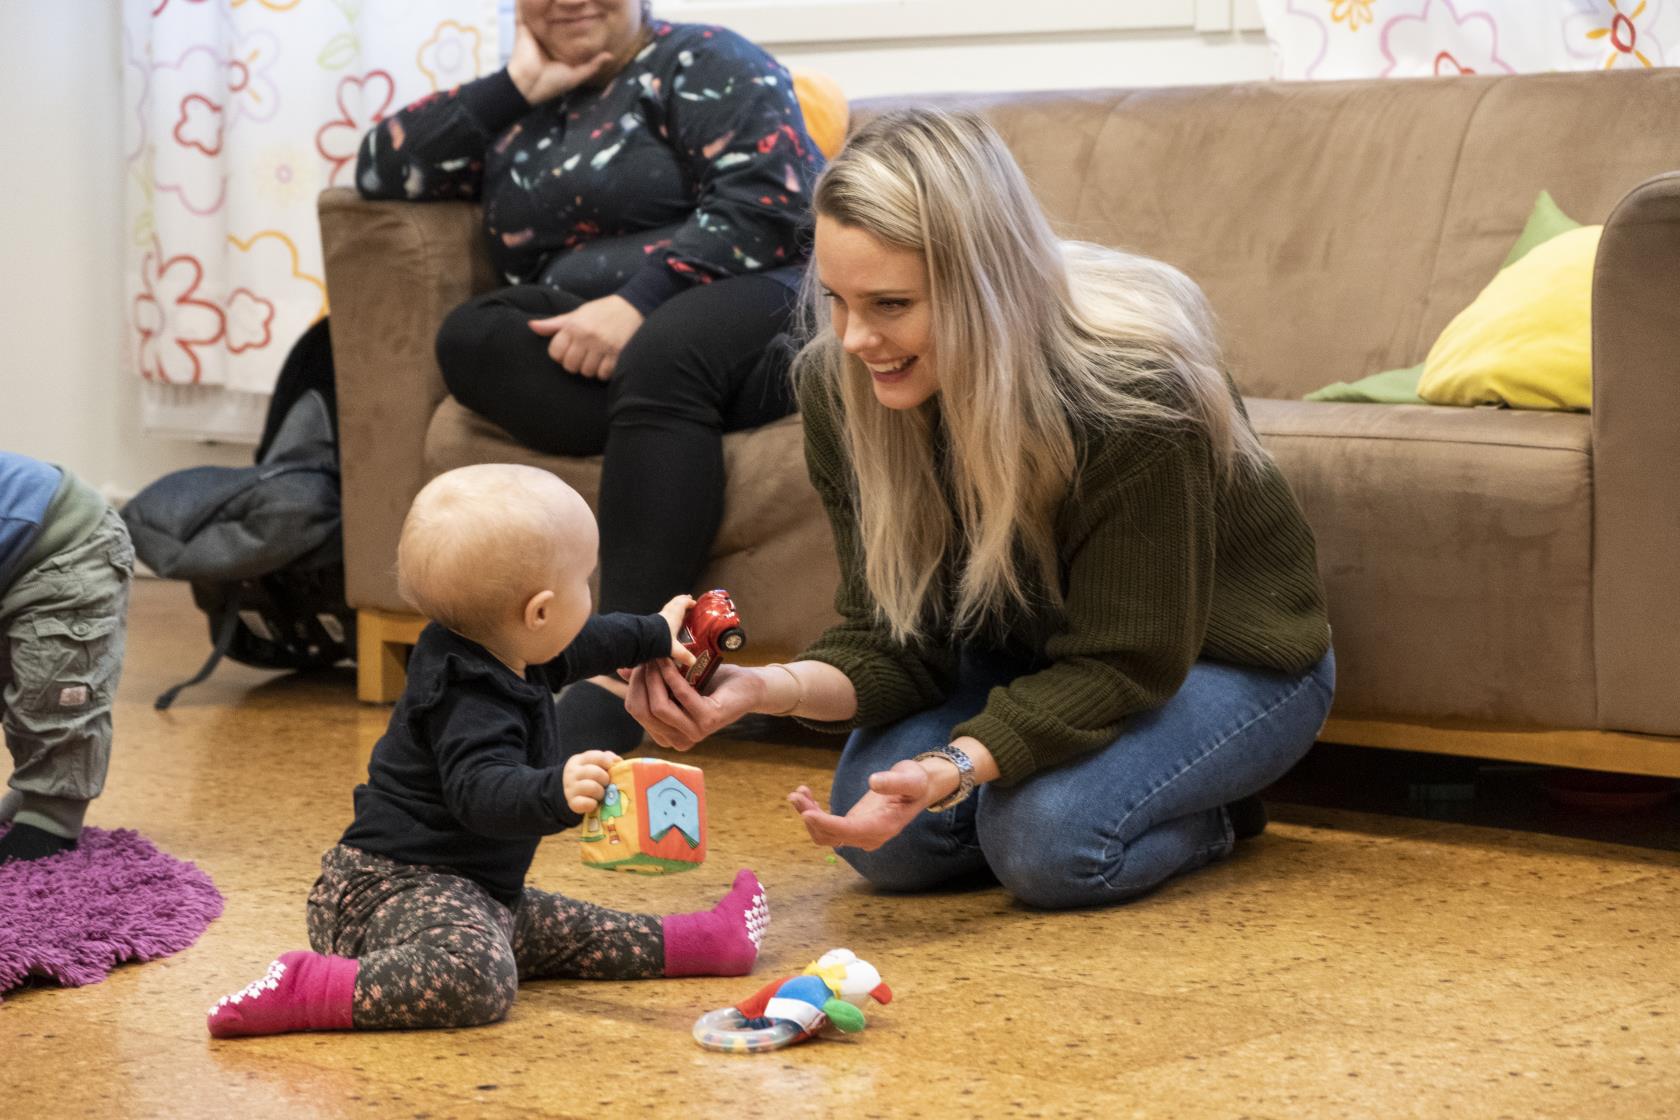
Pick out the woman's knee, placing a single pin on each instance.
(665, 370)
(1022, 848)
(1052, 880)
(465, 346)
(1051, 859)
(699, 351)
(490, 332)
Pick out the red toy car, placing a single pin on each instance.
(710, 629)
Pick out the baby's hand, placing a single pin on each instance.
(673, 613)
(585, 779)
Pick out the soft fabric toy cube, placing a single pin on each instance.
(652, 819)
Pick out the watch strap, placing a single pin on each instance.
(965, 776)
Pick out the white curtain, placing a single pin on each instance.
(1420, 38)
(236, 114)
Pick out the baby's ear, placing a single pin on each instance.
(537, 608)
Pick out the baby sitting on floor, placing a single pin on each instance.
(421, 916)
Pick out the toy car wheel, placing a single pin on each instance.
(725, 1031)
(732, 639)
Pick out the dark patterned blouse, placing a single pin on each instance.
(691, 165)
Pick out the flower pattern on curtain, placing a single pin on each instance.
(236, 114)
(1422, 38)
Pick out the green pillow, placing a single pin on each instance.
(1399, 386)
(1394, 386)
(1545, 222)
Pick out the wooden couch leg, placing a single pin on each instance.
(383, 639)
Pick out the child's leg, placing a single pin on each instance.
(414, 947)
(63, 647)
(559, 937)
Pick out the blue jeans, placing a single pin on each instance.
(1108, 825)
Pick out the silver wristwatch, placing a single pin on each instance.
(965, 777)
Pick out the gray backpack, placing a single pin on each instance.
(262, 547)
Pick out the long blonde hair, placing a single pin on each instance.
(1036, 339)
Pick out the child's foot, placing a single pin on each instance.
(301, 991)
(26, 842)
(722, 941)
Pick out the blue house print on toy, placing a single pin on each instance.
(670, 804)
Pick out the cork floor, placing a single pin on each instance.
(1343, 965)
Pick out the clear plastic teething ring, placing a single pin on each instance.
(725, 1030)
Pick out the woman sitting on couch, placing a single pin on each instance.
(646, 197)
(1082, 624)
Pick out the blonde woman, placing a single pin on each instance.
(1082, 620)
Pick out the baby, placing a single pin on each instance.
(421, 916)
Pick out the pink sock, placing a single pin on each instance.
(722, 941)
(301, 991)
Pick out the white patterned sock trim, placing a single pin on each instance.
(267, 982)
(757, 917)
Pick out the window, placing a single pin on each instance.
(816, 21)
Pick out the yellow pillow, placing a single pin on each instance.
(826, 112)
(1526, 341)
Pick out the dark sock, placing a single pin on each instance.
(1248, 817)
(593, 719)
(25, 841)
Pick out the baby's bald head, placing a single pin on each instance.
(479, 541)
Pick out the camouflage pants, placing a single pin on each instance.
(62, 628)
(435, 950)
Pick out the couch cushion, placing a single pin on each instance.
(774, 538)
(1455, 546)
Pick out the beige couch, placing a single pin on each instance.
(1501, 583)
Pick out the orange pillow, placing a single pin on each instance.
(826, 112)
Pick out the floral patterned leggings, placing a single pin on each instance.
(435, 950)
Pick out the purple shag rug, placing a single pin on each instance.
(73, 916)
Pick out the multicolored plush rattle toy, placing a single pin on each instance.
(831, 991)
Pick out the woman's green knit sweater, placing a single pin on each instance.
(1160, 567)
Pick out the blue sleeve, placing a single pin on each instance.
(27, 487)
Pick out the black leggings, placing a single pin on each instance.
(711, 360)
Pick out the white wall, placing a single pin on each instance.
(881, 47)
(1091, 60)
(67, 393)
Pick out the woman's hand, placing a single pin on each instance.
(585, 778)
(539, 75)
(895, 797)
(677, 717)
(588, 341)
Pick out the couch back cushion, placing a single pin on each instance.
(1336, 226)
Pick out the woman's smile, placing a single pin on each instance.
(891, 372)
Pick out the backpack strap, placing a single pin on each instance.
(224, 638)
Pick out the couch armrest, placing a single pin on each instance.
(394, 270)
(1636, 461)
